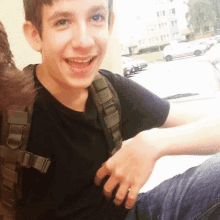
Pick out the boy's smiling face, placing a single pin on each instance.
(73, 42)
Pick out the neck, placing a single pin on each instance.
(72, 98)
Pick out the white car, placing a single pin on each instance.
(200, 42)
(183, 81)
(178, 50)
(211, 41)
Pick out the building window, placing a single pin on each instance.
(141, 42)
(176, 35)
(161, 37)
(159, 26)
(158, 14)
(173, 11)
(163, 13)
(172, 23)
(166, 24)
(176, 22)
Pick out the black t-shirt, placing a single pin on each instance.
(77, 147)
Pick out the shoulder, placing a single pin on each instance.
(112, 77)
(127, 88)
(120, 83)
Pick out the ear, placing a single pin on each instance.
(32, 36)
(111, 22)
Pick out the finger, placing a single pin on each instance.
(100, 175)
(109, 186)
(132, 196)
(121, 194)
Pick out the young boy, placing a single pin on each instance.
(72, 37)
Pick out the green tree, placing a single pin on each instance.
(202, 15)
(216, 5)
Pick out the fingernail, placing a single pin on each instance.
(117, 202)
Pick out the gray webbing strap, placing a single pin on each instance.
(104, 100)
(17, 120)
(16, 129)
(28, 160)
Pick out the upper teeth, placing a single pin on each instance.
(80, 61)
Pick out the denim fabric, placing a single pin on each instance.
(193, 195)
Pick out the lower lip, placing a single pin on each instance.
(81, 71)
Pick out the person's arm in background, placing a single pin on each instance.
(16, 88)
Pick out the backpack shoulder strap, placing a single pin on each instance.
(14, 133)
(108, 106)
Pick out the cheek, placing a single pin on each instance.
(56, 43)
(102, 40)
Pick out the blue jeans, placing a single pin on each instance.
(193, 195)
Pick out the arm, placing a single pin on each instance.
(180, 114)
(16, 88)
(132, 165)
(192, 135)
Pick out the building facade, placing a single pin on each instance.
(163, 22)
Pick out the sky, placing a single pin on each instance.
(127, 12)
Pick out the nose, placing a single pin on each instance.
(82, 37)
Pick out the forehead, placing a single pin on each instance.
(72, 7)
(78, 3)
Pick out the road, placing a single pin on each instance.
(169, 166)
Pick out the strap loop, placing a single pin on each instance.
(8, 197)
(27, 160)
(9, 174)
(14, 139)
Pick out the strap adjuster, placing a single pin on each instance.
(27, 160)
(45, 165)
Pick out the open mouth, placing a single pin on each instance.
(79, 63)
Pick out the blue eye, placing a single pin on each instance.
(98, 17)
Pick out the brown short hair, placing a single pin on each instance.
(16, 88)
(33, 11)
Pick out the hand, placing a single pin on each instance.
(128, 170)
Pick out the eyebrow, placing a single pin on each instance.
(68, 14)
(59, 14)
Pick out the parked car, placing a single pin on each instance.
(178, 50)
(211, 41)
(128, 69)
(217, 37)
(216, 64)
(130, 66)
(142, 63)
(200, 42)
(188, 81)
